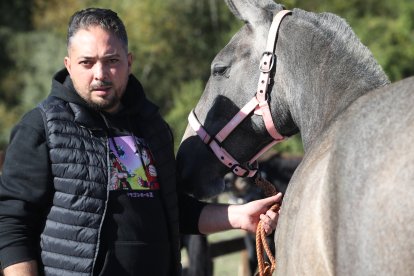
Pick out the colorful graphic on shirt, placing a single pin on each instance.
(132, 165)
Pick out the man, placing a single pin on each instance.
(75, 196)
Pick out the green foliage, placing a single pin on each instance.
(292, 146)
(184, 100)
(7, 96)
(36, 57)
(16, 14)
(8, 117)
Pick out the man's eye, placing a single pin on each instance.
(85, 62)
(113, 60)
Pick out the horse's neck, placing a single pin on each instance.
(321, 107)
(328, 69)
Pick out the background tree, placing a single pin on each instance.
(15, 19)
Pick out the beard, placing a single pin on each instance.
(102, 106)
(107, 103)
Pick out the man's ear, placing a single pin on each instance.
(130, 60)
(66, 61)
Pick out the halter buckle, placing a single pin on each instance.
(267, 62)
(250, 169)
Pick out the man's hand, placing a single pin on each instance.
(251, 212)
(220, 217)
(21, 269)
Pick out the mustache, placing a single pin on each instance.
(100, 84)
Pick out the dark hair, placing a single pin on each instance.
(104, 18)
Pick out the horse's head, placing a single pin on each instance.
(315, 59)
(233, 82)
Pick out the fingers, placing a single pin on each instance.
(274, 199)
(270, 218)
(278, 196)
(269, 221)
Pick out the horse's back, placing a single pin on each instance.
(373, 169)
(348, 209)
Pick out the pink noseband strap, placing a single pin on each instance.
(219, 151)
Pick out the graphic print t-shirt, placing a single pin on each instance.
(135, 236)
(132, 167)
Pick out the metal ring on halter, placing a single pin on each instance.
(253, 166)
(234, 169)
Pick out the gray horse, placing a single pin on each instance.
(348, 209)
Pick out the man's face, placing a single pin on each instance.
(99, 67)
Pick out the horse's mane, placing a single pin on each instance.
(345, 43)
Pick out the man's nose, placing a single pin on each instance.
(100, 71)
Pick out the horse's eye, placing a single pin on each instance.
(220, 70)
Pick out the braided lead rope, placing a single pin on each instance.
(265, 269)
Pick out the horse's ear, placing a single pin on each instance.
(253, 11)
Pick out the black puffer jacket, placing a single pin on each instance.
(78, 159)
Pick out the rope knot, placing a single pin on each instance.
(268, 271)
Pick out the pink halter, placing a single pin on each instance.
(259, 104)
